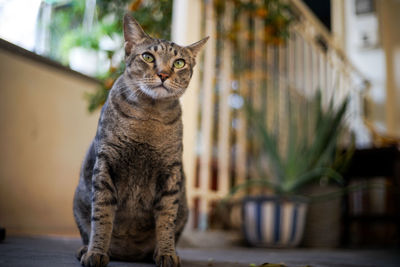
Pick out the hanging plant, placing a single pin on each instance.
(275, 14)
(154, 16)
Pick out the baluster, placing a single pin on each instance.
(224, 153)
(207, 113)
(241, 158)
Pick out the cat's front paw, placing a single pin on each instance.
(94, 259)
(167, 261)
(80, 252)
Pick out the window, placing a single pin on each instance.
(86, 35)
(18, 21)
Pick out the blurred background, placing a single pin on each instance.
(291, 120)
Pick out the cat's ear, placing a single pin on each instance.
(133, 33)
(196, 47)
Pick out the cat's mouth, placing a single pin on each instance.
(158, 91)
(162, 86)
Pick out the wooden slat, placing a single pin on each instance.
(296, 75)
(270, 87)
(321, 72)
(258, 52)
(301, 66)
(282, 103)
(225, 112)
(256, 93)
(329, 79)
(351, 111)
(241, 158)
(340, 87)
(207, 111)
(335, 78)
(309, 86)
(291, 76)
(181, 35)
(314, 68)
(208, 197)
(271, 103)
(307, 69)
(291, 61)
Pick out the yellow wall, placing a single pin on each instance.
(45, 131)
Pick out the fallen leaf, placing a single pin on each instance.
(272, 265)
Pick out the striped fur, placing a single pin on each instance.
(130, 203)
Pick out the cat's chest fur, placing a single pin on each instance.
(139, 172)
(142, 144)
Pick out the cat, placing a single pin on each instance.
(130, 203)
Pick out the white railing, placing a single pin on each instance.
(217, 149)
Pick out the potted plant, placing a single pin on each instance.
(278, 219)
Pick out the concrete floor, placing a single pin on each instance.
(54, 252)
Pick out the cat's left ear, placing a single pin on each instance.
(133, 33)
(196, 47)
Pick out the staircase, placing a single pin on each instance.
(242, 63)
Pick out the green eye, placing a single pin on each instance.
(148, 57)
(179, 63)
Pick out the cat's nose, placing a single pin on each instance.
(163, 76)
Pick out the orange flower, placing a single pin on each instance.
(112, 69)
(232, 36)
(236, 27)
(278, 41)
(269, 30)
(134, 5)
(261, 12)
(280, 22)
(108, 83)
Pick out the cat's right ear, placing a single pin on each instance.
(133, 33)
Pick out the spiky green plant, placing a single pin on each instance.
(306, 159)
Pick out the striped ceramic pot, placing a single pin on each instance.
(270, 221)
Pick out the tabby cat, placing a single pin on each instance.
(130, 203)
